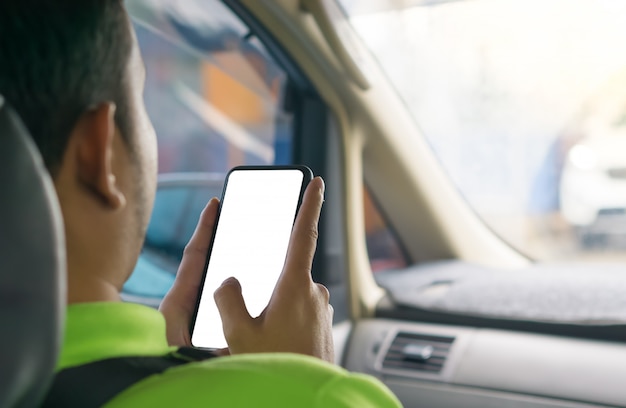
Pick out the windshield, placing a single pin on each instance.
(524, 104)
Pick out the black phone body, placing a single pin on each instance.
(257, 211)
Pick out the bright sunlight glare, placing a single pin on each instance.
(502, 90)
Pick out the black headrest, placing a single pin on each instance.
(32, 267)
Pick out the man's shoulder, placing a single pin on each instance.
(258, 380)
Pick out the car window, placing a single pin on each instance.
(524, 104)
(215, 96)
(201, 195)
(383, 248)
(172, 222)
(168, 215)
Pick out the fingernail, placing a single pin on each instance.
(229, 281)
(322, 186)
(206, 207)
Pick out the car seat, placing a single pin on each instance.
(32, 267)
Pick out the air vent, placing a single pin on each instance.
(417, 352)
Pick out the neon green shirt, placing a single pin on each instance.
(96, 331)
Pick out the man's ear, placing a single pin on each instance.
(95, 133)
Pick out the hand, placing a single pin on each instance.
(298, 318)
(179, 303)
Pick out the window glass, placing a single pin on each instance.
(201, 196)
(383, 248)
(524, 103)
(170, 207)
(214, 96)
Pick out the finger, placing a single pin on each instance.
(179, 302)
(222, 352)
(304, 234)
(231, 306)
(324, 291)
(194, 256)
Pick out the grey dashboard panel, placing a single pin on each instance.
(583, 370)
(486, 368)
(587, 294)
(425, 395)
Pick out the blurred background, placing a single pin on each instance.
(524, 103)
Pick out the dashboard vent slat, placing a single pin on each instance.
(403, 353)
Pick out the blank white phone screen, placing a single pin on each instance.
(251, 240)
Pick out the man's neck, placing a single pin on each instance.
(81, 289)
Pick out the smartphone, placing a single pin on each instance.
(254, 222)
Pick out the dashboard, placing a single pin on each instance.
(430, 365)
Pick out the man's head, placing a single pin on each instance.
(72, 71)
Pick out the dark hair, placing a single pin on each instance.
(58, 58)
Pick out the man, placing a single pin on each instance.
(73, 72)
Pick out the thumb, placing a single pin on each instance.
(231, 306)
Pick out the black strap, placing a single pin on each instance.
(95, 384)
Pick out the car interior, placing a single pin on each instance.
(455, 281)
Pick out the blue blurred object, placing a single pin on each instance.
(179, 201)
(149, 279)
